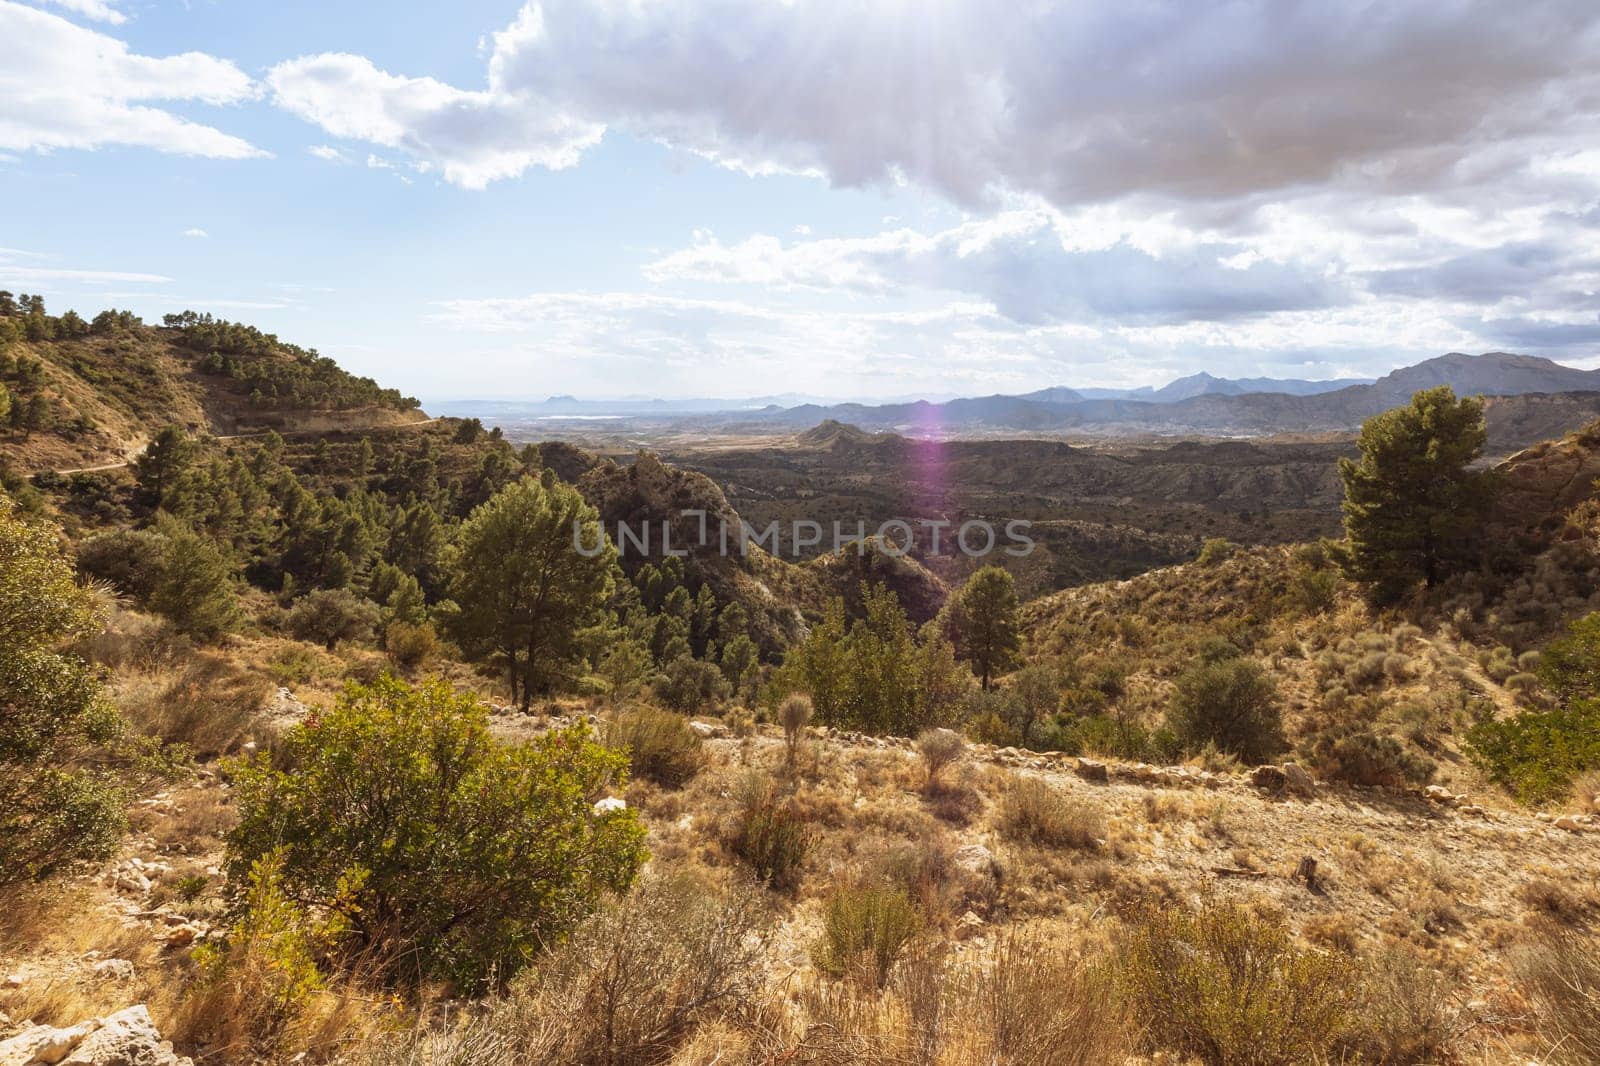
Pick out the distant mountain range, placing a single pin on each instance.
(1198, 404)
(1209, 405)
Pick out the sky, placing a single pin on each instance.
(836, 198)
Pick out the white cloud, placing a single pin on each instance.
(196, 231)
(64, 86)
(97, 10)
(27, 274)
(472, 138)
(328, 153)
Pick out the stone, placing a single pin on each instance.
(113, 970)
(1440, 794)
(703, 730)
(1298, 780)
(968, 926)
(609, 804)
(1090, 770)
(976, 859)
(126, 1038)
(1271, 778)
(1572, 823)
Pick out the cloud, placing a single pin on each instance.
(328, 153)
(196, 231)
(64, 86)
(1028, 266)
(35, 274)
(471, 137)
(1208, 102)
(97, 10)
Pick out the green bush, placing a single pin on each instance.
(689, 685)
(769, 833)
(410, 646)
(659, 744)
(1216, 550)
(1232, 704)
(328, 616)
(451, 856)
(1538, 754)
(1570, 666)
(1233, 989)
(864, 930)
(56, 809)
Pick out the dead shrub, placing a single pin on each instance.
(1560, 972)
(1035, 812)
(769, 833)
(661, 747)
(209, 704)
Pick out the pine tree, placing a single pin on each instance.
(1413, 508)
(983, 623)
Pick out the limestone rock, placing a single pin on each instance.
(127, 1038)
(1090, 770)
(1298, 780)
(1271, 778)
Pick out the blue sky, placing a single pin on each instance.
(846, 199)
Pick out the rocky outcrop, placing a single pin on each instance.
(1540, 485)
(127, 1038)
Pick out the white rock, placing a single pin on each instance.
(113, 970)
(609, 804)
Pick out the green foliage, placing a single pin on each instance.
(55, 809)
(691, 685)
(874, 675)
(410, 646)
(163, 463)
(864, 931)
(769, 833)
(328, 616)
(524, 589)
(195, 588)
(1233, 989)
(1216, 550)
(983, 623)
(659, 745)
(276, 374)
(449, 855)
(1412, 508)
(1232, 704)
(1538, 754)
(1570, 666)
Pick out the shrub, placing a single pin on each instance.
(328, 616)
(410, 646)
(1216, 550)
(939, 748)
(1232, 704)
(1313, 591)
(690, 685)
(632, 981)
(131, 560)
(769, 833)
(1537, 754)
(1356, 755)
(864, 930)
(1232, 988)
(1570, 666)
(55, 808)
(659, 744)
(451, 856)
(195, 590)
(1035, 812)
(793, 714)
(1561, 974)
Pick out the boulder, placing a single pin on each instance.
(113, 970)
(1271, 778)
(1440, 794)
(1572, 823)
(609, 804)
(1298, 780)
(1090, 770)
(127, 1038)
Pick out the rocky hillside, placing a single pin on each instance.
(96, 397)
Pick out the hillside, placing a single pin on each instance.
(96, 396)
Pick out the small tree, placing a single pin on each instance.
(983, 623)
(448, 855)
(525, 589)
(1232, 704)
(1413, 509)
(55, 808)
(195, 588)
(329, 616)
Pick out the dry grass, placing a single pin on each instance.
(207, 703)
(1035, 812)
